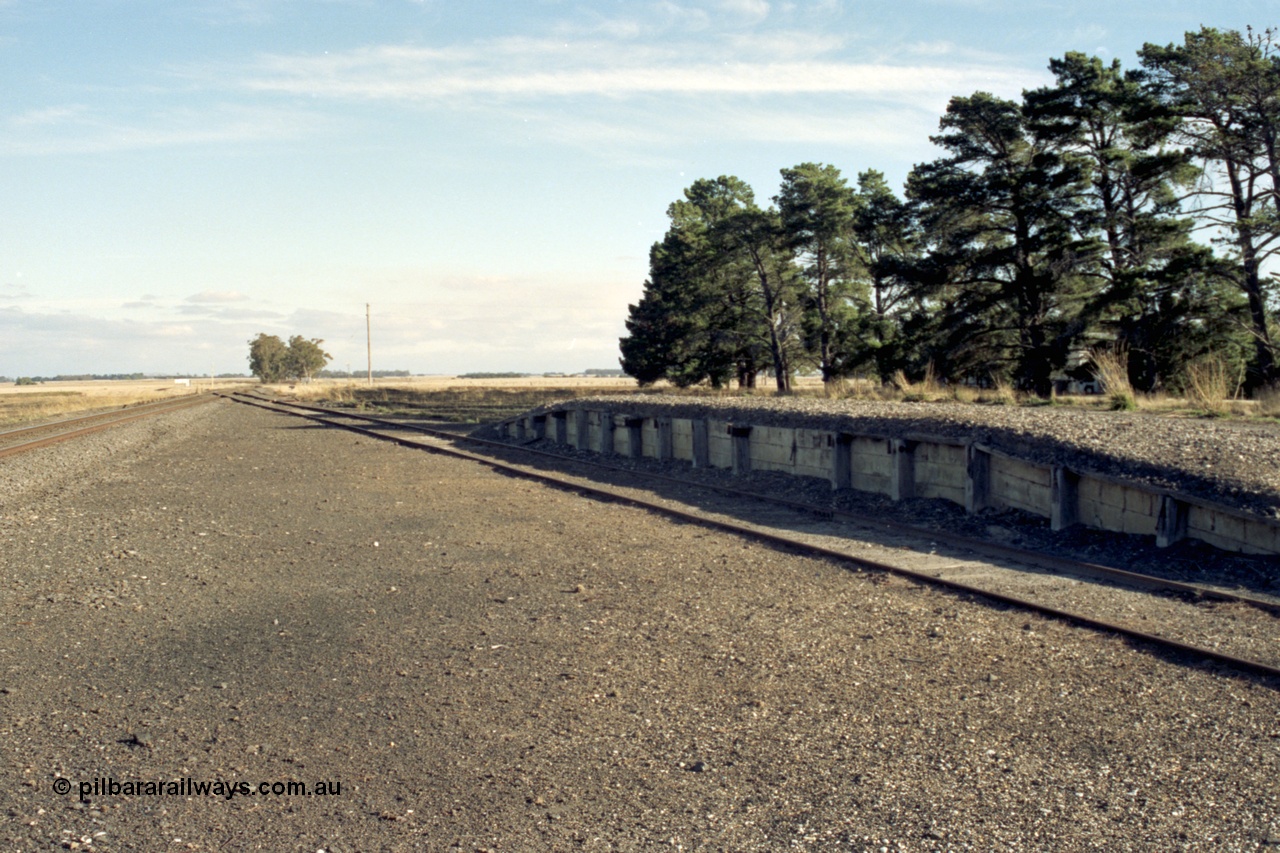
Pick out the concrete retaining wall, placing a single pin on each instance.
(968, 474)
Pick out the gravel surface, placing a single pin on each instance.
(1232, 462)
(488, 664)
(1236, 629)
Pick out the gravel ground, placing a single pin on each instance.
(1236, 463)
(483, 663)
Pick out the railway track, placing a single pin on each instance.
(1208, 624)
(26, 438)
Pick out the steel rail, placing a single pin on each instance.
(114, 418)
(311, 413)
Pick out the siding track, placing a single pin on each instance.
(1238, 631)
(26, 438)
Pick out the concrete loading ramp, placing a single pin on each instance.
(914, 465)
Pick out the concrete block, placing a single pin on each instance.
(664, 439)
(560, 427)
(741, 437)
(902, 482)
(1065, 498)
(635, 437)
(1262, 536)
(719, 444)
(701, 443)
(842, 462)
(539, 426)
(813, 451)
(1111, 494)
(582, 429)
(1139, 523)
(606, 433)
(1019, 485)
(1171, 523)
(977, 482)
(682, 438)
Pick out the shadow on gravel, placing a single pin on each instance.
(1186, 561)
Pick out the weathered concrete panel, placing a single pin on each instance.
(815, 453)
(772, 449)
(719, 444)
(682, 438)
(649, 438)
(919, 467)
(872, 468)
(939, 471)
(1020, 485)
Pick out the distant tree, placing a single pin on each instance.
(1162, 296)
(304, 357)
(817, 208)
(887, 239)
(1005, 215)
(268, 358)
(1223, 88)
(720, 299)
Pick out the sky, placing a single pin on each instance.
(178, 176)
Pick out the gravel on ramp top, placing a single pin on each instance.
(488, 664)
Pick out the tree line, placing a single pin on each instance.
(1136, 209)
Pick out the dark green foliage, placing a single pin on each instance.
(271, 360)
(1222, 91)
(1008, 268)
(1050, 227)
(817, 209)
(1160, 293)
(267, 355)
(714, 307)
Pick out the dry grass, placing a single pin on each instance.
(461, 400)
(24, 404)
(1208, 386)
(1111, 368)
(1268, 402)
(478, 400)
(1001, 394)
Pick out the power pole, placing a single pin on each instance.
(368, 340)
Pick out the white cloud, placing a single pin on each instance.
(218, 296)
(749, 11)
(415, 74)
(76, 129)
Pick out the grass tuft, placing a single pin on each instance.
(1111, 368)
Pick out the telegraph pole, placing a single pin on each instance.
(368, 340)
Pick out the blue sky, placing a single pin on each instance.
(176, 177)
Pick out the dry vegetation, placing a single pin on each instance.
(477, 400)
(23, 404)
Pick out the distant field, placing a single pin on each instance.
(449, 398)
(20, 404)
